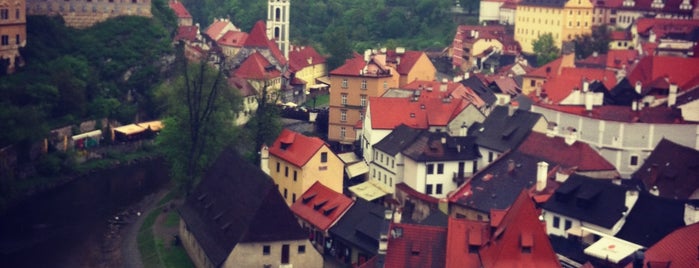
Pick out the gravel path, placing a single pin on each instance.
(131, 257)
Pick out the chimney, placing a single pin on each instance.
(467, 75)
(586, 85)
(444, 140)
(672, 95)
(654, 190)
(512, 108)
(634, 105)
(691, 213)
(638, 87)
(367, 55)
(510, 166)
(589, 100)
(572, 136)
(631, 197)
(542, 170)
(443, 85)
(595, 54)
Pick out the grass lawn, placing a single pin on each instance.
(158, 250)
(321, 100)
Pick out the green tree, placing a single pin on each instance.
(265, 124)
(337, 45)
(545, 50)
(597, 41)
(201, 109)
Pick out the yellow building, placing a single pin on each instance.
(307, 64)
(13, 30)
(296, 162)
(562, 19)
(352, 84)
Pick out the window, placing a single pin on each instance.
(472, 249)
(4, 14)
(634, 160)
(344, 99)
(440, 168)
(363, 84)
(17, 39)
(324, 157)
(294, 175)
(286, 171)
(428, 189)
(430, 168)
(438, 189)
(362, 100)
(343, 115)
(526, 249)
(343, 133)
(278, 167)
(5, 40)
(293, 198)
(568, 224)
(16, 13)
(490, 157)
(385, 85)
(285, 195)
(344, 83)
(302, 249)
(532, 83)
(266, 250)
(556, 222)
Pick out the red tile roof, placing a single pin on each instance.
(301, 57)
(242, 85)
(321, 206)
(188, 33)
(407, 60)
(520, 228)
(217, 28)
(555, 150)
(418, 246)
(662, 27)
(352, 67)
(233, 39)
(619, 35)
(652, 68)
(254, 68)
(618, 59)
(437, 90)
(300, 149)
(561, 86)
(388, 113)
(547, 70)
(678, 249)
(463, 234)
(179, 9)
(258, 38)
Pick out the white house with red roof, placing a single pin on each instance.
(473, 45)
(436, 106)
(231, 42)
(297, 161)
(317, 210)
(260, 73)
(500, 11)
(249, 94)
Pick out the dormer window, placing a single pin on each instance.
(324, 157)
(657, 4)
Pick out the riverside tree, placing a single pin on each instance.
(200, 110)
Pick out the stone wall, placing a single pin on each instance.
(85, 13)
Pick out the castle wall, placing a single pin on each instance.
(85, 13)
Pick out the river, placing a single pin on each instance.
(66, 226)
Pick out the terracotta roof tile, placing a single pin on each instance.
(417, 246)
(555, 150)
(465, 238)
(301, 57)
(352, 67)
(321, 206)
(256, 67)
(299, 150)
(618, 59)
(258, 38)
(188, 33)
(660, 114)
(218, 28)
(387, 113)
(678, 249)
(179, 9)
(242, 85)
(651, 68)
(561, 86)
(233, 39)
(520, 229)
(407, 60)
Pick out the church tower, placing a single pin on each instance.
(278, 23)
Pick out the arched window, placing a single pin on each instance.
(277, 14)
(276, 33)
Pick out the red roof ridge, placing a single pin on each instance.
(301, 149)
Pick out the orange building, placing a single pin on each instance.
(359, 78)
(13, 34)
